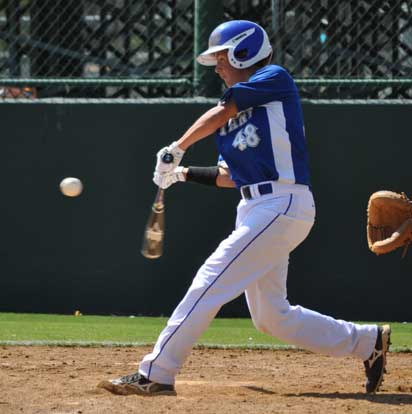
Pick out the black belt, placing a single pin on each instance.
(262, 189)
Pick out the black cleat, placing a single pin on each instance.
(375, 364)
(136, 384)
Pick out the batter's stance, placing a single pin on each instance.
(260, 138)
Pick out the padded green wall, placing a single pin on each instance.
(60, 254)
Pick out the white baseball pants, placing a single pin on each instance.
(254, 259)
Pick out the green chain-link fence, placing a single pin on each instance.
(145, 48)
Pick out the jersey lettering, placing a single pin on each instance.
(232, 124)
(237, 122)
(246, 137)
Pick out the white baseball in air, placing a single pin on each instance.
(71, 187)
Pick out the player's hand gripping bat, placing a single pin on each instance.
(154, 232)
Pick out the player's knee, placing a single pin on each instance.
(262, 327)
(269, 320)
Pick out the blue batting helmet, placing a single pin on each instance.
(246, 42)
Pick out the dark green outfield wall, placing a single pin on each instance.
(60, 254)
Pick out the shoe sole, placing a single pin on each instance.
(126, 389)
(386, 341)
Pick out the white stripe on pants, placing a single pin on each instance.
(254, 258)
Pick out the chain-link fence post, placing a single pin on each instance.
(208, 14)
(13, 28)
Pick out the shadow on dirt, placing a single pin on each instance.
(387, 398)
(259, 389)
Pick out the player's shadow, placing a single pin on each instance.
(259, 389)
(387, 398)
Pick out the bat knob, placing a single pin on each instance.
(167, 157)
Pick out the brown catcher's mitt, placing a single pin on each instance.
(389, 222)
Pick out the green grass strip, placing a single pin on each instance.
(85, 330)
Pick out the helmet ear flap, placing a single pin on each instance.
(232, 59)
(252, 46)
(240, 54)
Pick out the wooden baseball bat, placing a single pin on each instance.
(154, 232)
(155, 227)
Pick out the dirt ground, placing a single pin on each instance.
(55, 380)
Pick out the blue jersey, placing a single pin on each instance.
(266, 141)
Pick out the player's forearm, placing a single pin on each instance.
(222, 178)
(207, 124)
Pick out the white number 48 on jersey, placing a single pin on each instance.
(246, 137)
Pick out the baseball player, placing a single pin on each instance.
(262, 152)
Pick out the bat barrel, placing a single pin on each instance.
(152, 247)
